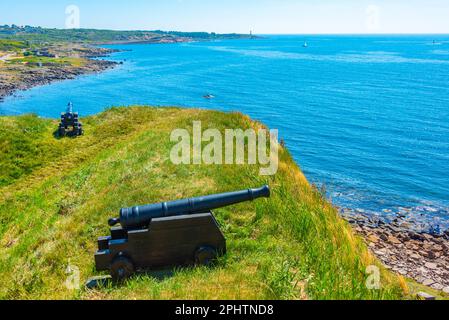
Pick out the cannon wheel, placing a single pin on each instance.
(122, 268)
(205, 256)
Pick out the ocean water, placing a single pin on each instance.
(365, 116)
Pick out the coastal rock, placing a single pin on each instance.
(446, 234)
(415, 257)
(437, 286)
(402, 272)
(415, 236)
(394, 240)
(373, 238)
(393, 228)
(381, 252)
(428, 282)
(430, 265)
(425, 296)
(422, 257)
(383, 236)
(431, 255)
(412, 246)
(422, 270)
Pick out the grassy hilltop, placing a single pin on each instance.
(56, 197)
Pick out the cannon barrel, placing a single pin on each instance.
(137, 217)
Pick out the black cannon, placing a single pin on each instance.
(70, 119)
(177, 233)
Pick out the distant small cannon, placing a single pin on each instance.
(182, 232)
(70, 119)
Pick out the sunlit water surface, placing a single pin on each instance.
(368, 117)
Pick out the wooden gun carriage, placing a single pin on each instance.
(178, 233)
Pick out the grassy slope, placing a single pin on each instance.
(56, 197)
(10, 45)
(16, 47)
(66, 61)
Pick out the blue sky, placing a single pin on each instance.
(262, 16)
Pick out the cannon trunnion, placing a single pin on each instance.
(156, 240)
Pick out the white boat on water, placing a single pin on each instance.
(305, 45)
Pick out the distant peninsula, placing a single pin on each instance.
(32, 56)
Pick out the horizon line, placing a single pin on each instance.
(254, 34)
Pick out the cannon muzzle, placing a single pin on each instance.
(138, 217)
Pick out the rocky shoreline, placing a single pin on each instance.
(16, 77)
(423, 257)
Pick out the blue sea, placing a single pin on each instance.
(365, 116)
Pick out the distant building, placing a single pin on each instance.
(43, 53)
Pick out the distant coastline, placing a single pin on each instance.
(25, 75)
(34, 56)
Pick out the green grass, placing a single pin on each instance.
(48, 61)
(11, 45)
(57, 195)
